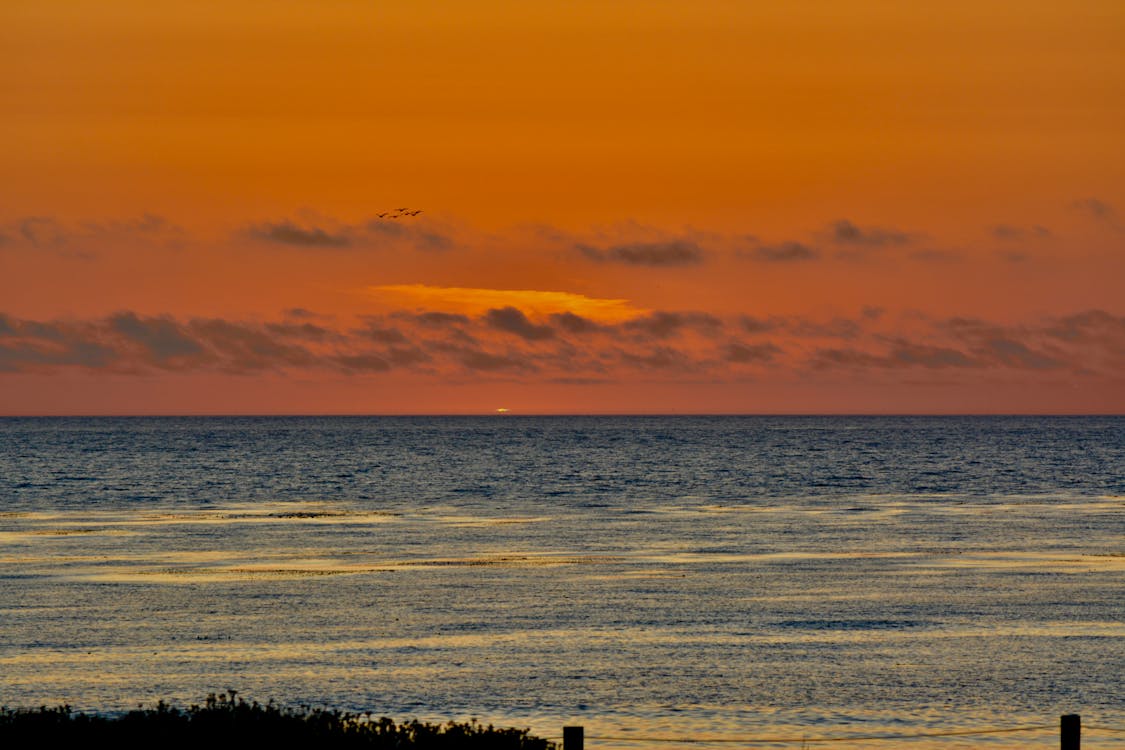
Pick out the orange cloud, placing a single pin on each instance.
(470, 301)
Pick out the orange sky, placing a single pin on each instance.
(653, 206)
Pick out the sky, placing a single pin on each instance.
(657, 206)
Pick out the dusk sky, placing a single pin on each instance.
(265, 206)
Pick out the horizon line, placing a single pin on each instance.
(509, 414)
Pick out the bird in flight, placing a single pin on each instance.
(398, 213)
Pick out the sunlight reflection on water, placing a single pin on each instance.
(655, 610)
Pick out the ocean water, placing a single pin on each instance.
(645, 577)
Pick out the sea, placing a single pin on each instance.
(917, 582)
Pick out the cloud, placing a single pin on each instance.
(301, 313)
(871, 312)
(1010, 233)
(512, 320)
(1096, 209)
(575, 324)
(477, 301)
(1012, 353)
(742, 353)
(671, 253)
(829, 358)
(384, 361)
(440, 319)
(244, 347)
(750, 324)
(363, 362)
(1091, 325)
(50, 233)
(785, 252)
(660, 358)
(844, 232)
(421, 237)
(32, 346)
(665, 324)
(381, 334)
(837, 328)
(1001, 345)
(162, 339)
(508, 341)
(329, 234)
(906, 353)
(307, 331)
(902, 354)
(42, 231)
(285, 232)
(476, 359)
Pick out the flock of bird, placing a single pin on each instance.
(398, 213)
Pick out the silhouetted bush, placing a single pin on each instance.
(227, 722)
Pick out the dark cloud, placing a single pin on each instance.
(1091, 325)
(31, 345)
(1001, 346)
(660, 358)
(902, 354)
(1095, 208)
(1010, 233)
(476, 359)
(25, 357)
(374, 233)
(870, 312)
(306, 331)
(383, 361)
(1014, 353)
(823, 359)
(907, 354)
(741, 353)
(420, 236)
(576, 324)
(837, 328)
(785, 252)
(512, 320)
(382, 334)
(287, 233)
(662, 324)
(47, 232)
(845, 232)
(406, 356)
(245, 347)
(977, 345)
(505, 341)
(164, 340)
(438, 319)
(43, 231)
(145, 224)
(751, 324)
(363, 362)
(653, 254)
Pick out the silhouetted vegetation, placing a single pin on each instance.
(226, 721)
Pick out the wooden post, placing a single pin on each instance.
(573, 738)
(1070, 732)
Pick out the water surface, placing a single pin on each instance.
(684, 576)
